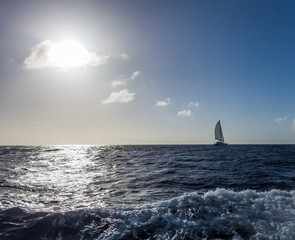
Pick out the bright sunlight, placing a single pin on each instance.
(68, 54)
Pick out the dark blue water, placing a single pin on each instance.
(147, 192)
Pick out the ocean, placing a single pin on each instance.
(147, 192)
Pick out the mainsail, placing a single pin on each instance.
(218, 132)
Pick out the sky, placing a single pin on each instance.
(146, 71)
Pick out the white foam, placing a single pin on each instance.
(218, 214)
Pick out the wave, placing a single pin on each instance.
(216, 214)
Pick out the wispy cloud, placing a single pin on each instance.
(124, 81)
(119, 82)
(124, 55)
(188, 112)
(185, 113)
(120, 96)
(280, 120)
(49, 54)
(194, 104)
(164, 103)
(134, 75)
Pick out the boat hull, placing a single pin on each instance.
(220, 144)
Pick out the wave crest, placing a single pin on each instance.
(217, 214)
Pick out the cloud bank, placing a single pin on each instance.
(120, 96)
(49, 54)
(164, 103)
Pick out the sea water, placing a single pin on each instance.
(147, 192)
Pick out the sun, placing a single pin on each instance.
(68, 54)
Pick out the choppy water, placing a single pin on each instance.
(147, 192)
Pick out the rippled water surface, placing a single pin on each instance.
(147, 192)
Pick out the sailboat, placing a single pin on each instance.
(219, 135)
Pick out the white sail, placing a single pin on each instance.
(218, 132)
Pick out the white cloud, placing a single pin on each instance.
(195, 104)
(39, 56)
(185, 113)
(120, 82)
(164, 103)
(124, 55)
(120, 96)
(49, 54)
(293, 124)
(280, 120)
(124, 81)
(134, 75)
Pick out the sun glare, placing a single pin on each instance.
(68, 54)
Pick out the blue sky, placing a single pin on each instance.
(146, 72)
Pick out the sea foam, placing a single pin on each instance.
(216, 214)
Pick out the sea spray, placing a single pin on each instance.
(218, 214)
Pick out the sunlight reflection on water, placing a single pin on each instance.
(65, 178)
(61, 175)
